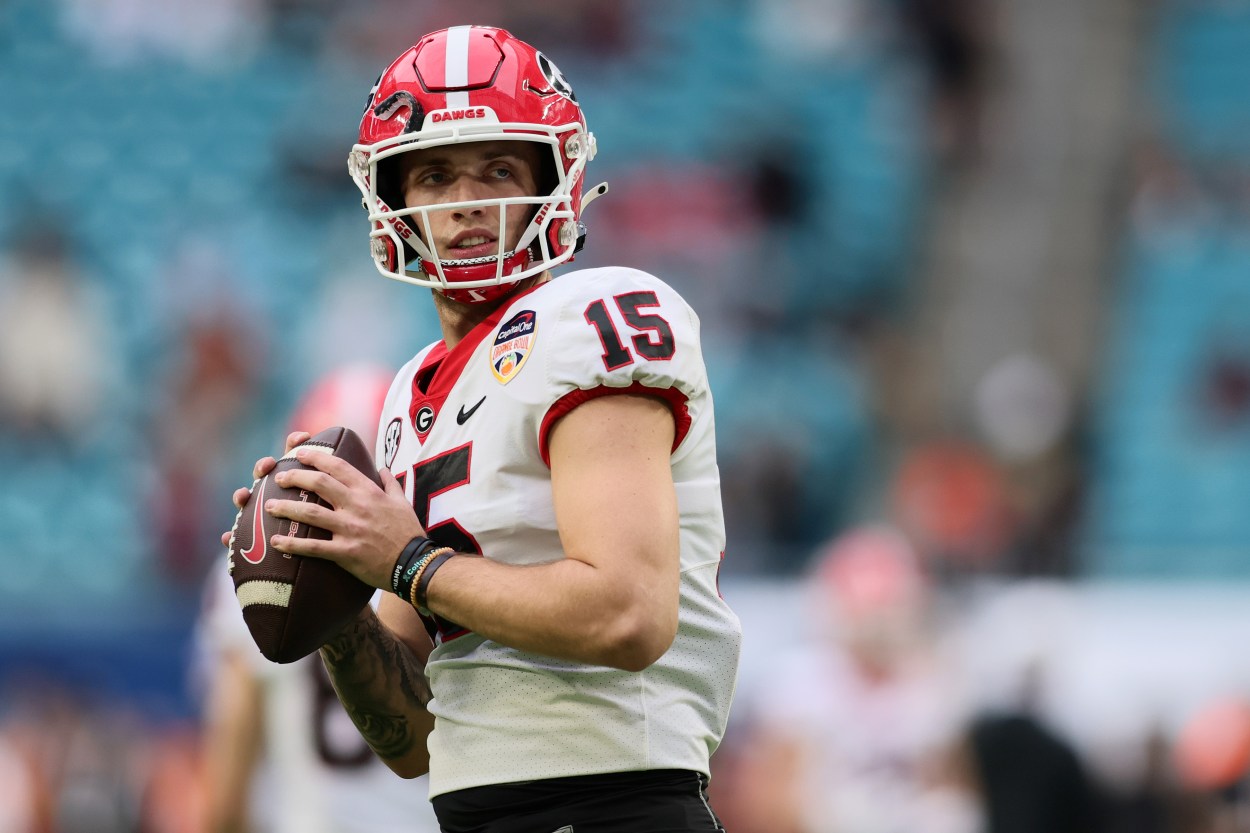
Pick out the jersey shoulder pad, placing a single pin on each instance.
(620, 328)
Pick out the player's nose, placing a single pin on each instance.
(468, 189)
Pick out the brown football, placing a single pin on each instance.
(294, 604)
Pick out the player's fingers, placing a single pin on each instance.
(336, 467)
(395, 490)
(336, 551)
(332, 490)
(263, 466)
(296, 438)
(313, 547)
(225, 539)
(313, 514)
(389, 484)
(240, 496)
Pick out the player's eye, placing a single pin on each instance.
(500, 172)
(433, 178)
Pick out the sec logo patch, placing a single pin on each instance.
(394, 430)
(513, 345)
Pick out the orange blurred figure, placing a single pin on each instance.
(1213, 748)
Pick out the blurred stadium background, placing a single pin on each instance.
(974, 271)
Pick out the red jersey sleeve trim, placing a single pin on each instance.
(675, 399)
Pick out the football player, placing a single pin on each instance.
(550, 525)
(280, 754)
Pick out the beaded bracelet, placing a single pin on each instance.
(407, 563)
(430, 557)
(422, 586)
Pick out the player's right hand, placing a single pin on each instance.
(263, 466)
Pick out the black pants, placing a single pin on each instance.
(656, 801)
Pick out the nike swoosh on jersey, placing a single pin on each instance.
(463, 416)
(258, 529)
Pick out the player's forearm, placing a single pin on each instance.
(384, 690)
(566, 609)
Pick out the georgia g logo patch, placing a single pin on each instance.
(423, 420)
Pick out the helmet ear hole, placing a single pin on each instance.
(388, 173)
(546, 176)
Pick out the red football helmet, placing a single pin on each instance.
(472, 84)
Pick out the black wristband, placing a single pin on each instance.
(406, 565)
(423, 585)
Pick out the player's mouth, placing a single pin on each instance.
(472, 244)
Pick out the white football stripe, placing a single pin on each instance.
(456, 66)
(324, 449)
(274, 593)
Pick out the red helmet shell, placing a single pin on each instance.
(499, 71)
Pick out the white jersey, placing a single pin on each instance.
(323, 775)
(466, 434)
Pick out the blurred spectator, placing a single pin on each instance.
(590, 34)
(1212, 749)
(172, 795)
(83, 758)
(794, 441)
(1031, 780)
(55, 356)
(1168, 205)
(950, 498)
(1224, 395)
(208, 386)
(1023, 407)
(812, 30)
(1211, 757)
(1150, 803)
(954, 40)
(18, 791)
(1024, 413)
(123, 31)
(858, 729)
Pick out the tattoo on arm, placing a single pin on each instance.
(380, 684)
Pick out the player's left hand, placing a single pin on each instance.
(370, 526)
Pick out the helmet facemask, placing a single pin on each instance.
(399, 235)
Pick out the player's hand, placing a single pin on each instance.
(370, 525)
(263, 466)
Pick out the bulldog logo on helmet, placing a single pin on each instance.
(555, 77)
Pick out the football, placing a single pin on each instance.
(293, 604)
